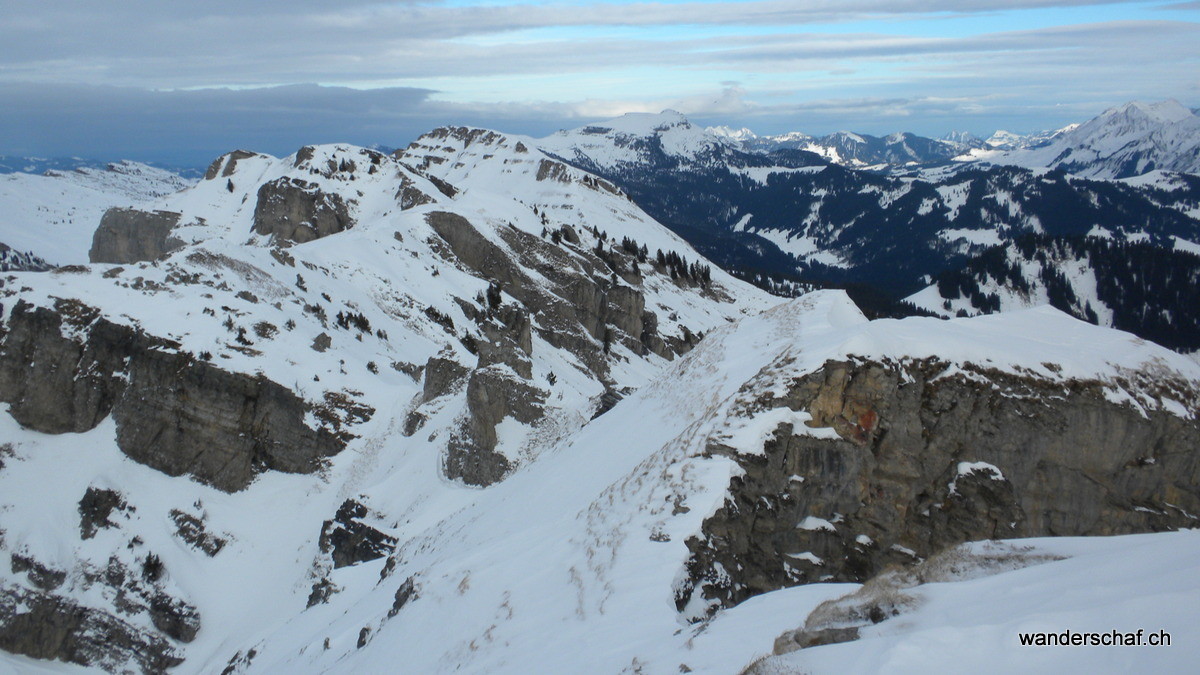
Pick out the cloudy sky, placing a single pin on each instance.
(181, 82)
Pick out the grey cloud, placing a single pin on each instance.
(192, 127)
(197, 44)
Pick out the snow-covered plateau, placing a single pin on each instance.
(468, 408)
(53, 215)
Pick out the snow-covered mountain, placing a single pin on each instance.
(855, 150)
(288, 333)
(964, 139)
(52, 215)
(1125, 141)
(607, 544)
(1007, 140)
(469, 408)
(1150, 290)
(39, 165)
(791, 214)
(639, 139)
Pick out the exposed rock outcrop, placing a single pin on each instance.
(226, 164)
(925, 458)
(44, 626)
(192, 530)
(581, 307)
(294, 210)
(408, 195)
(349, 541)
(493, 393)
(132, 235)
(12, 260)
(441, 375)
(583, 310)
(96, 508)
(173, 412)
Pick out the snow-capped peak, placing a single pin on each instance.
(849, 136)
(636, 138)
(964, 137)
(1004, 140)
(1128, 140)
(646, 124)
(741, 135)
(1169, 111)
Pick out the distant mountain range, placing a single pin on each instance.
(1125, 141)
(898, 150)
(40, 165)
(790, 208)
(887, 217)
(468, 407)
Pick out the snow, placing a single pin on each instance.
(954, 196)
(973, 237)
(1146, 136)
(1186, 246)
(762, 174)
(801, 246)
(969, 468)
(740, 135)
(54, 215)
(1077, 272)
(808, 557)
(815, 523)
(574, 557)
(1129, 583)
(624, 140)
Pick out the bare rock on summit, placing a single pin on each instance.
(132, 235)
(226, 164)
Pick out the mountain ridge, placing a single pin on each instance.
(467, 406)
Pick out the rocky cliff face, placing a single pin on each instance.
(583, 304)
(294, 210)
(44, 626)
(335, 316)
(925, 455)
(133, 235)
(66, 369)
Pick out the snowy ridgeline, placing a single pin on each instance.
(573, 559)
(1122, 142)
(474, 299)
